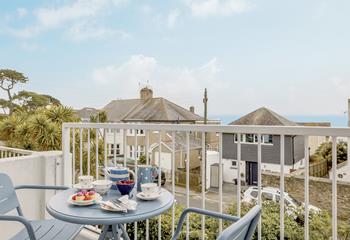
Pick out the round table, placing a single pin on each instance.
(112, 222)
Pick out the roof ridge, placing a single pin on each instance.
(132, 109)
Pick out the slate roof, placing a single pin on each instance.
(263, 116)
(86, 112)
(150, 110)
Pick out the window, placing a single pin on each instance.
(234, 164)
(249, 138)
(253, 138)
(131, 152)
(267, 139)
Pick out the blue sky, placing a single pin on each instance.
(290, 56)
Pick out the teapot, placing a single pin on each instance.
(118, 173)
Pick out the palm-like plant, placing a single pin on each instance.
(60, 114)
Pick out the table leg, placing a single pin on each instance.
(115, 232)
(124, 232)
(104, 232)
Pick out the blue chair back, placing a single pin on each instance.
(8, 197)
(244, 228)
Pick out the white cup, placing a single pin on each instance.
(149, 188)
(85, 181)
(102, 186)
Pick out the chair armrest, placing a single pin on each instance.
(41, 187)
(22, 220)
(202, 212)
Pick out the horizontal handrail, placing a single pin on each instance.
(251, 129)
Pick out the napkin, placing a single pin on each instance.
(128, 203)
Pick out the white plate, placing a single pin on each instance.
(97, 199)
(145, 197)
(79, 187)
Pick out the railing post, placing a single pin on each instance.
(67, 159)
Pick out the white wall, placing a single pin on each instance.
(165, 161)
(39, 168)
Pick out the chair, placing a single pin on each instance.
(33, 230)
(242, 229)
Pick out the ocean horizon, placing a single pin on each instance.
(335, 120)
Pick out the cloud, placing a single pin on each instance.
(86, 30)
(204, 8)
(173, 17)
(70, 13)
(184, 85)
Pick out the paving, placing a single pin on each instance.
(212, 196)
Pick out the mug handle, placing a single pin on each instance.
(132, 173)
(107, 171)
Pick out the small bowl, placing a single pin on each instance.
(125, 186)
(102, 186)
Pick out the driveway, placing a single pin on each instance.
(212, 196)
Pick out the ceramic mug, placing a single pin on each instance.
(117, 174)
(149, 189)
(85, 181)
(145, 174)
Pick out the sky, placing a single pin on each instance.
(290, 56)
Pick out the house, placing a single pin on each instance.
(86, 113)
(315, 141)
(150, 109)
(270, 152)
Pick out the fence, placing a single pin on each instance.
(319, 169)
(100, 129)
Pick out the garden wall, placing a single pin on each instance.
(320, 193)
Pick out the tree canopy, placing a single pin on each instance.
(8, 79)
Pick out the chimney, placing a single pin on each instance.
(192, 109)
(146, 93)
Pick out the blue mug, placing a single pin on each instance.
(117, 174)
(145, 174)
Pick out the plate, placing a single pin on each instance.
(79, 187)
(97, 199)
(145, 197)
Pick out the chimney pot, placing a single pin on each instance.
(146, 93)
(192, 109)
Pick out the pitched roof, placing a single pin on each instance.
(263, 116)
(86, 112)
(150, 110)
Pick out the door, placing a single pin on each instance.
(214, 175)
(252, 173)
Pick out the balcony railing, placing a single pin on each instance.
(80, 138)
(7, 152)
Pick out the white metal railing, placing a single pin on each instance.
(7, 152)
(101, 129)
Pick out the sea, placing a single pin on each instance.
(335, 120)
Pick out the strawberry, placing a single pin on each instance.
(87, 198)
(74, 198)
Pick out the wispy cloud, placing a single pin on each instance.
(68, 14)
(204, 8)
(86, 30)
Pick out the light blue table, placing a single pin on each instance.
(112, 222)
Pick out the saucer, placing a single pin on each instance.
(145, 197)
(79, 187)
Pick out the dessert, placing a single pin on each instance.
(84, 196)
